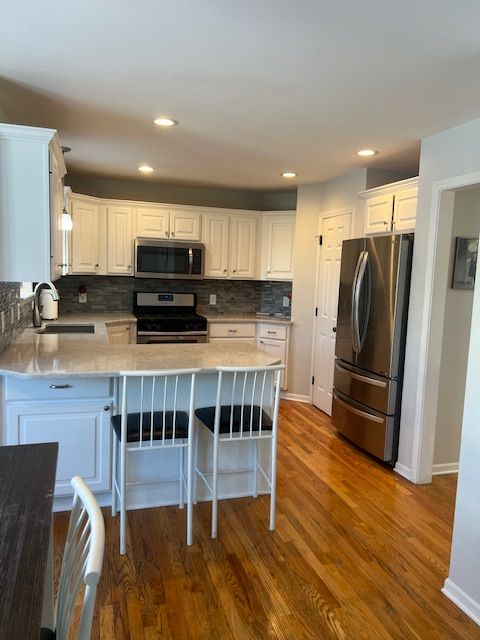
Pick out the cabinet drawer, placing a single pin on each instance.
(231, 330)
(272, 331)
(56, 388)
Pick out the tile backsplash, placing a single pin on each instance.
(17, 314)
(115, 293)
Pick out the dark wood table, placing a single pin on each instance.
(27, 478)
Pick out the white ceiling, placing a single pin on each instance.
(258, 86)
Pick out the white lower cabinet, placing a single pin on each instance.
(121, 333)
(82, 430)
(239, 331)
(274, 339)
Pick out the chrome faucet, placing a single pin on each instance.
(37, 320)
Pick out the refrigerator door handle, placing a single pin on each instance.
(357, 376)
(358, 412)
(357, 286)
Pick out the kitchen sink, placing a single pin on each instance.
(67, 328)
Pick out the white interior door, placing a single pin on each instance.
(335, 229)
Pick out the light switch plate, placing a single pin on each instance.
(2, 317)
(286, 301)
(82, 297)
(213, 298)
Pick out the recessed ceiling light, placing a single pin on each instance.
(144, 168)
(288, 174)
(366, 153)
(165, 122)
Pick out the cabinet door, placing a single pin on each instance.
(215, 239)
(119, 334)
(56, 210)
(84, 237)
(243, 247)
(277, 349)
(152, 222)
(405, 210)
(279, 244)
(82, 430)
(378, 214)
(119, 240)
(184, 224)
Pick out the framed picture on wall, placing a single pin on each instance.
(465, 263)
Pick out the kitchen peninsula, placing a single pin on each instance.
(63, 387)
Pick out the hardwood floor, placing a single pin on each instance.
(358, 554)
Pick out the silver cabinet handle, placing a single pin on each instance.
(190, 260)
(272, 332)
(232, 330)
(357, 376)
(362, 414)
(61, 386)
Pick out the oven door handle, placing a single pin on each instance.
(190, 261)
(170, 333)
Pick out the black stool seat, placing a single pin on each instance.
(133, 425)
(207, 416)
(47, 634)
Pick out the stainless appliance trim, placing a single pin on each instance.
(362, 414)
(354, 311)
(357, 376)
(170, 333)
(152, 242)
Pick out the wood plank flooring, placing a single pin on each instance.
(358, 554)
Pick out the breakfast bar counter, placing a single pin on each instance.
(63, 388)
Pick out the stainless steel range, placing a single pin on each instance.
(168, 318)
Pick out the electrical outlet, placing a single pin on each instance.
(2, 318)
(12, 314)
(213, 298)
(82, 297)
(286, 301)
(19, 311)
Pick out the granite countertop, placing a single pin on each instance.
(51, 355)
(246, 317)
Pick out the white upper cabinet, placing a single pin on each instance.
(277, 247)
(85, 237)
(31, 203)
(170, 223)
(216, 241)
(119, 240)
(243, 247)
(405, 209)
(152, 222)
(184, 224)
(390, 208)
(230, 245)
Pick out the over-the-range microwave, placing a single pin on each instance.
(168, 259)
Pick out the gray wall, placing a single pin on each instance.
(199, 196)
(115, 293)
(456, 337)
(9, 297)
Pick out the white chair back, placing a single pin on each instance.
(248, 391)
(81, 564)
(149, 394)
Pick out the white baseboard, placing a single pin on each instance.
(463, 601)
(403, 471)
(296, 397)
(443, 469)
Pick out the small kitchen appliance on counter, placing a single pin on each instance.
(48, 305)
(370, 346)
(168, 318)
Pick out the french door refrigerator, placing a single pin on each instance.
(370, 345)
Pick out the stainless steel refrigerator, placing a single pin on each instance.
(370, 345)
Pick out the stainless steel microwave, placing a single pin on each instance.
(168, 259)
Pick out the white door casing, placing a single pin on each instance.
(335, 229)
